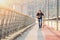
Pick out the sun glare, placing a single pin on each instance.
(2, 2)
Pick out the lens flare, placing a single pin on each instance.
(2, 1)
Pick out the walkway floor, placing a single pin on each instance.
(50, 33)
(34, 33)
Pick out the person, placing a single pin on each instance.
(39, 17)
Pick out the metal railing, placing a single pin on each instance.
(12, 21)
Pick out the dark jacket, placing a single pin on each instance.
(39, 15)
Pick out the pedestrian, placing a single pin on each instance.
(39, 17)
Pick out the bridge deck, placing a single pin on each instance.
(35, 33)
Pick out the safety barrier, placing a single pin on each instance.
(11, 21)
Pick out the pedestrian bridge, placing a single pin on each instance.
(18, 20)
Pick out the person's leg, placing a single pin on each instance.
(39, 22)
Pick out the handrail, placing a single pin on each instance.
(12, 10)
(12, 21)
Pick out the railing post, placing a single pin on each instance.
(12, 21)
(48, 12)
(57, 12)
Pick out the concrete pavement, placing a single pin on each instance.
(34, 34)
(46, 33)
(50, 33)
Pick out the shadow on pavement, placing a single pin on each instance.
(23, 36)
(40, 35)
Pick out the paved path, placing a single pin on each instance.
(32, 34)
(50, 33)
(45, 33)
